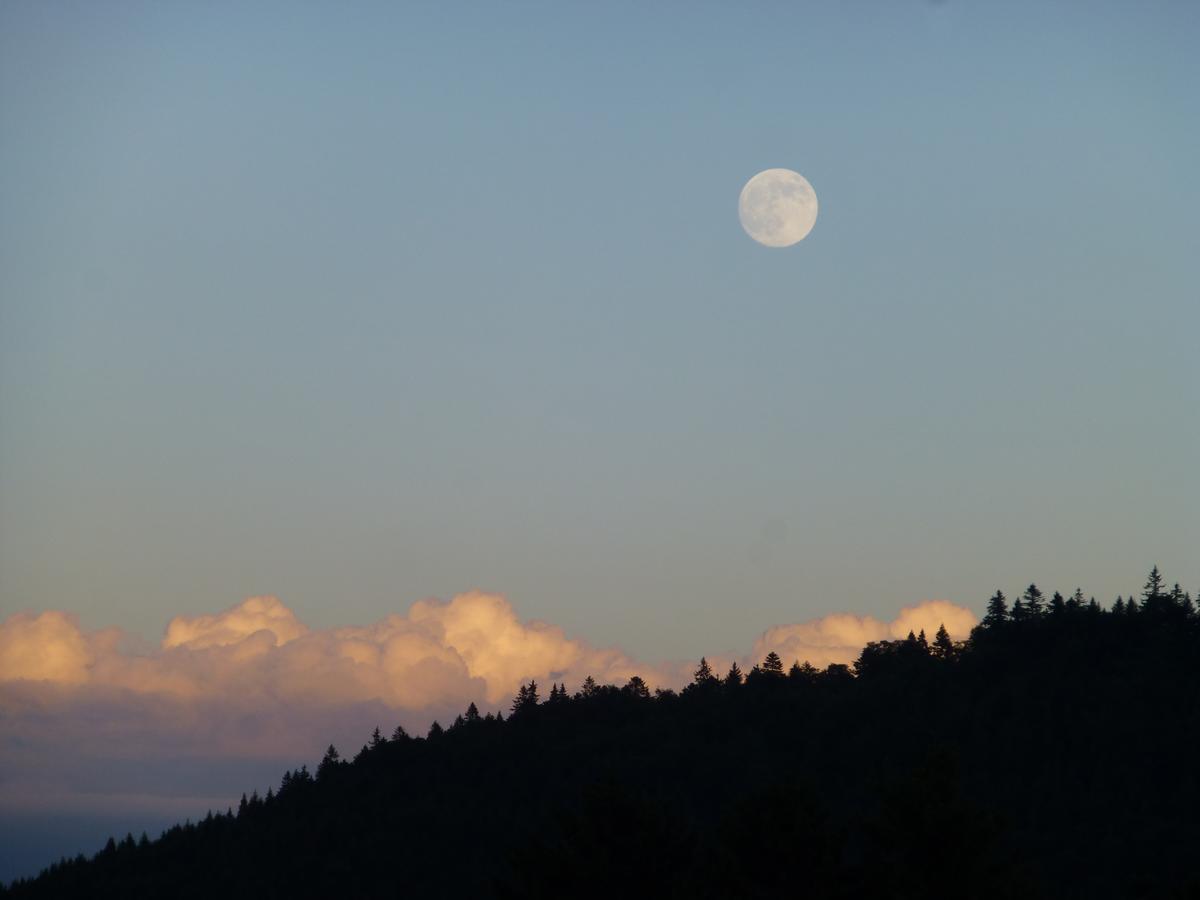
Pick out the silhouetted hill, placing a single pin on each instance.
(1052, 755)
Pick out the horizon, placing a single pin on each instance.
(401, 354)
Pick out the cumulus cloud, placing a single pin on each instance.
(257, 657)
(253, 683)
(839, 637)
(256, 614)
(47, 647)
(440, 656)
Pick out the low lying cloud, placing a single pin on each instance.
(838, 638)
(254, 683)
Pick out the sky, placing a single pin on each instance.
(373, 305)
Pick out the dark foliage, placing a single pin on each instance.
(1053, 755)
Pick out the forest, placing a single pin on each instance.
(1053, 754)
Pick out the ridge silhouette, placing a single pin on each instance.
(1051, 755)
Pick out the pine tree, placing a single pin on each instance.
(1058, 604)
(399, 734)
(734, 676)
(772, 664)
(435, 732)
(589, 688)
(1152, 593)
(703, 674)
(997, 611)
(1183, 600)
(806, 671)
(1034, 600)
(329, 762)
(1118, 606)
(472, 712)
(376, 738)
(526, 699)
(943, 647)
(520, 700)
(923, 641)
(636, 687)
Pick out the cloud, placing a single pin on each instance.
(253, 683)
(47, 647)
(251, 616)
(473, 647)
(838, 638)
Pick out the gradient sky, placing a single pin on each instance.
(359, 305)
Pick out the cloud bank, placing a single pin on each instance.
(88, 712)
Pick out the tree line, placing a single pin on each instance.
(1051, 754)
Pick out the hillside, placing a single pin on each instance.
(1054, 754)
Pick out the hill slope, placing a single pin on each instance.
(1052, 755)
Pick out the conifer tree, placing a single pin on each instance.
(329, 762)
(526, 699)
(703, 674)
(734, 676)
(636, 687)
(520, 700)
(1058, 604)
(589, 688)
(399, 734)
(943, 647)
(997, 611)
(376, 738)
(435, 731)
(1152, 593)
(772, 664)
(1182, 599)
(1034, 601)
(472, 712)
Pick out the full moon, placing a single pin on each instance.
(778, 207)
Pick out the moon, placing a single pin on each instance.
(778, 207)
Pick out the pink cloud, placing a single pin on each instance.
(253, 682)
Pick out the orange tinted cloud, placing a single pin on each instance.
(442, 653)
(46, 647)
(254, 680)
(84, 713)
(472, 647)
(838, 638)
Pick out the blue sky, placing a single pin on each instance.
(362, 305)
